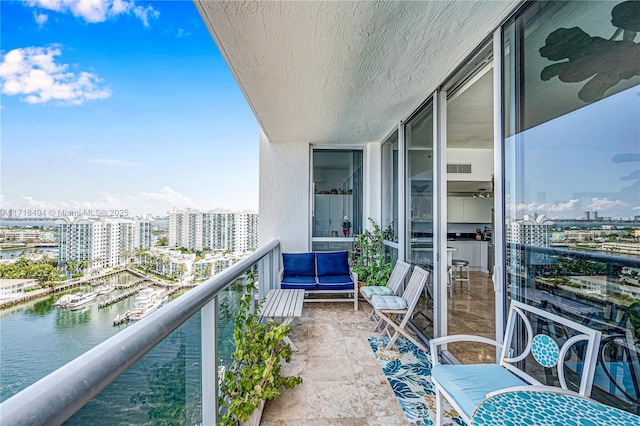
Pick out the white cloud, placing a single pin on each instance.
(602, 204)
(33, 73)
(548, 207)
(144, 13)
(40, 18)
(182, 33)
(97, 10)
(146, 202)
(113, 162)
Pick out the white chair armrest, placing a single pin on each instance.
(434, 343)
(354, 277)
(536, 388)
(281, 274)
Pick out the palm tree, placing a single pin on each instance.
(72, 266)
(181, 270)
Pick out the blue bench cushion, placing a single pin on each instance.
(369, 291)
(336, 282)
(332, 263)
(299, 282)
(299, 264)
(469, 384)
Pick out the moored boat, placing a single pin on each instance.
(80, 299)
(104, 289)
(63, 300)
(147, 301)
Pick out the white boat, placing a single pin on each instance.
(104, 289)
(62, 302)
(147, 301)
(81, 299)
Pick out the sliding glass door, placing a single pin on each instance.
(572, 169)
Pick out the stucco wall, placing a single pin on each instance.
(284, 194)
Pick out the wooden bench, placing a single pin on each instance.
(283, 303)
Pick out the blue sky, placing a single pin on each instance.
(118, 104)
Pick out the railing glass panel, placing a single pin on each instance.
(162, 388)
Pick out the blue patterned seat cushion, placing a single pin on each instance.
(370, 290)
(393, 303)
(335, 282)
(298, 282)
(469, 384)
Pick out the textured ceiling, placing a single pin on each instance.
(343, 72)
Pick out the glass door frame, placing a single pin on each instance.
(439, 102)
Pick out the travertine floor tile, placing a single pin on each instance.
(343, 383)
(333, 400)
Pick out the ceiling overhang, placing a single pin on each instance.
(343, 72)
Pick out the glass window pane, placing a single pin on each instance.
(419, 145)
(390, 188)
(337, 180)
(572, 169)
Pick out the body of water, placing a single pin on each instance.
(38, 338)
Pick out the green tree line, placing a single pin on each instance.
(24, 268)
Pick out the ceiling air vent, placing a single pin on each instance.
(459, 168)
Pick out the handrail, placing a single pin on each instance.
(56, 397)
(633, 262)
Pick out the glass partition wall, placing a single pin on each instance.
(390, 190)
(469, 147)
(419, 169)
(572, 169)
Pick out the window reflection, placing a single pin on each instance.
(572, 174)
(390, 188)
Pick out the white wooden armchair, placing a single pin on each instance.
(465, 386)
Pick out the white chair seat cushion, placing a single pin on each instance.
(371, 290)
(391, 303)
(469, 384)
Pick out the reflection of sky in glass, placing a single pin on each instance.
(588, 159)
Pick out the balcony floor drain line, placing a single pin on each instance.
(408, 371)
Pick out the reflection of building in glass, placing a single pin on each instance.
(534, 231)
(626, 248)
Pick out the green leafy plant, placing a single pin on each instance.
(255, 373)
(368, 258)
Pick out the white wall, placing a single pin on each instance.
(284, 195)
(481, 161)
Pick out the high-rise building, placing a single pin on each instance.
(196, 230)
(101, 243)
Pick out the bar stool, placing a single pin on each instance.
(460, 266)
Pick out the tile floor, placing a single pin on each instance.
(342, 381)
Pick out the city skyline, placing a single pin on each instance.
(101, 101)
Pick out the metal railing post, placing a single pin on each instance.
(209, 355)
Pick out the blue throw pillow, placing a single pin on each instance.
(332, 263)
(299, 264)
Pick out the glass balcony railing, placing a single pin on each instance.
(161, 370)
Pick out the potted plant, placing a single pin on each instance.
(368, 259)
(254, 375)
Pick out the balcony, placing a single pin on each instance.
(165, 366)
(138, 371)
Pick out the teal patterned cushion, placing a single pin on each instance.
(394, 303)
(369, 291)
